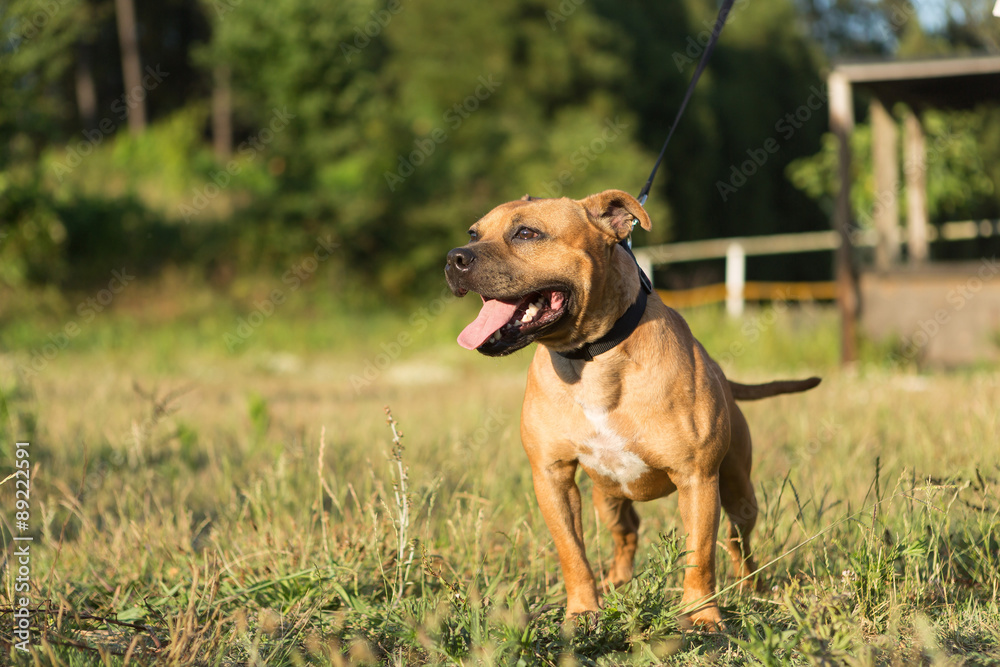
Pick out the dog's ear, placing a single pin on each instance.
(614, 210)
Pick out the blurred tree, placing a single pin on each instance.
(128, 38)
(847, 27)
(970, 25)
(222, 113)
(394, 125)
(35, 53)
(407, 123)
(85, 84)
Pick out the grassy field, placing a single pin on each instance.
(204, 499)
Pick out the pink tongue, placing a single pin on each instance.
(493, 316)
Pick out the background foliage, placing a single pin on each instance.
(369, 89)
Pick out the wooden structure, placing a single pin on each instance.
(952, 83)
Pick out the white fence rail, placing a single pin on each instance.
(735, 250)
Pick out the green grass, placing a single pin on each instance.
(251, 507)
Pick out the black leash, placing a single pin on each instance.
(720, 21)
(627, 323)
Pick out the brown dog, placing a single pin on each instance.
(618, 386)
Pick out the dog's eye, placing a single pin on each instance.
(526, 234)
(473, 235)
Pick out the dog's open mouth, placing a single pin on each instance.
(506, 325)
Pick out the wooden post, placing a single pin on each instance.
(885, 165)
(915, 167)
(736, 264)
(842, 124)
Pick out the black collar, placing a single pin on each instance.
(623, 327)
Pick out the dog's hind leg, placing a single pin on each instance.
(738, 499)
(620, 517)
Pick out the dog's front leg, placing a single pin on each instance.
(698, 499)
(559, 499)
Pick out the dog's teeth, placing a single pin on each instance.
(531, 312)
(527, 318)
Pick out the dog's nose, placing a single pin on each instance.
(461, 259)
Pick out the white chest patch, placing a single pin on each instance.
(607, 455)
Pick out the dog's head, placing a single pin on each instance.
(547, 270)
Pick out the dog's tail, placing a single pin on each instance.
(753, 392)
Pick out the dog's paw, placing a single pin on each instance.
(707, 619)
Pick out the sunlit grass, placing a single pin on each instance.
(181, 487)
